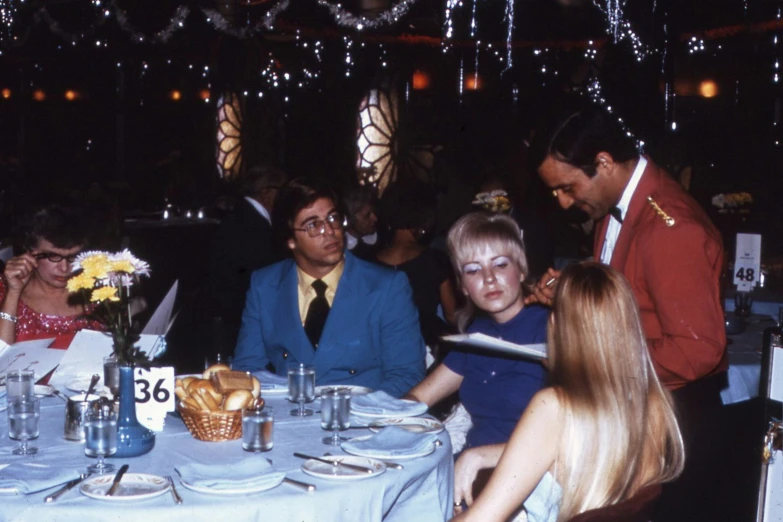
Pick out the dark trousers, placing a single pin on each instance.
(695, 495)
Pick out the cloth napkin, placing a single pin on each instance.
(381, 403)
(391, 442)
(251, 472)
(271, 381)
(27, 477)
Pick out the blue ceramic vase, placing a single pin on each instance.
(133, 439)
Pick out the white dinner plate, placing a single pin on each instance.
(423, 453)
(412, 424)
(331, 472)
(355, 390)
(392, 415)
(81, 385)
(133, 487)
(273, 390)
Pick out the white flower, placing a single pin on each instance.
(142, 268)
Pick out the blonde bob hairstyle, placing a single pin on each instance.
(475, 232)
(621, 433)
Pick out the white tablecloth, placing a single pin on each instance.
(421, 492)
(773, 505)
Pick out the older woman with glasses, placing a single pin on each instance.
(34, 300)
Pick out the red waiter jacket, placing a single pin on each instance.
(674, 272)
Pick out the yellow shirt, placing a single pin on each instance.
(306, 292)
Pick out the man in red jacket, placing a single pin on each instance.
(652, 231)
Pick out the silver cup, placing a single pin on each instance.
(75, 411)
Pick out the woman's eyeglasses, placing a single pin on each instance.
(318, 227)
(55, 258)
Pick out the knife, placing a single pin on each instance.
(336, 463)
(116, 482)
(66, 488)
(301, 485)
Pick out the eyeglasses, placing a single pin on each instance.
(55, 258)
(318, 227)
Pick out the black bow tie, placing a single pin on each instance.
(617, 214)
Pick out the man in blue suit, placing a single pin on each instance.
(354, 321)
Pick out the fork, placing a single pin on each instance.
(174, 493)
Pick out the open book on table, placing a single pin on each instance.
(533, 351)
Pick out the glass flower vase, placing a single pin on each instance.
(133, 439)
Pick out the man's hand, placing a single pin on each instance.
(544, 290)
(18, 271)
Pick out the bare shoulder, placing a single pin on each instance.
(546, 407)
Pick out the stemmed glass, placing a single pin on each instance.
(24, 414)
(301, 387)
(335, 413)
(100, 437)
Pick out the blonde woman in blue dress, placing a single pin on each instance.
(604, 428)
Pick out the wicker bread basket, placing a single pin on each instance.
(212, 426)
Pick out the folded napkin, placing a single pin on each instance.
(253, 471)
(25, 477)
(391, 442)
(271, 381)
(381, 403)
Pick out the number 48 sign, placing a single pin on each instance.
(747, 261)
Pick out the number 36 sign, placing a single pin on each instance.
(155, 388)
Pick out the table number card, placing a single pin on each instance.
(154, 395)
(747, 261)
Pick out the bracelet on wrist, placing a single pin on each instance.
(8, 317)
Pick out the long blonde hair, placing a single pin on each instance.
(473, 233)
(620, 432)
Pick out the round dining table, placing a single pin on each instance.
(422, 491)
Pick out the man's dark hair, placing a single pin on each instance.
(294, 196)
(355, 197)
(63, 227)
(576, 138)
(261, 177)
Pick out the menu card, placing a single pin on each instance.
(532, 351)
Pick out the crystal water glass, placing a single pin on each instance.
(335, 413)
(100, 438)
(111, 375)
(24, 414)
(258, 427)
(301, 387)
(20, 383)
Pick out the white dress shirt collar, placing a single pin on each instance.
(614, 226)
(351, 242)
(260, 208)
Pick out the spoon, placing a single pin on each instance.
(93, 381)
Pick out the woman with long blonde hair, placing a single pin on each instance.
(601, 432)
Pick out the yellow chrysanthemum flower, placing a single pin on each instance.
(122, 265)
(80, 282)
(103, 293)
(97, 266)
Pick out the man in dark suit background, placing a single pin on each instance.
(243, 243)
(361, 236)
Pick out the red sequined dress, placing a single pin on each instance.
(33, 325)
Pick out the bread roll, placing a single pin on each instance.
(181, 393)
(238, 400)
(186, 381)
(203, 384)
(210, 401)
(214, 369)
(190, 403)
(256, 391)
(202, 405)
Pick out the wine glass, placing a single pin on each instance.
(20, 383)
(335, 413)
(301, 387)
(24, 414)
(100, 437)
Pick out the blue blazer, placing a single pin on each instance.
(371, 337)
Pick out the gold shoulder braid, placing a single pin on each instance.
(666, 217)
